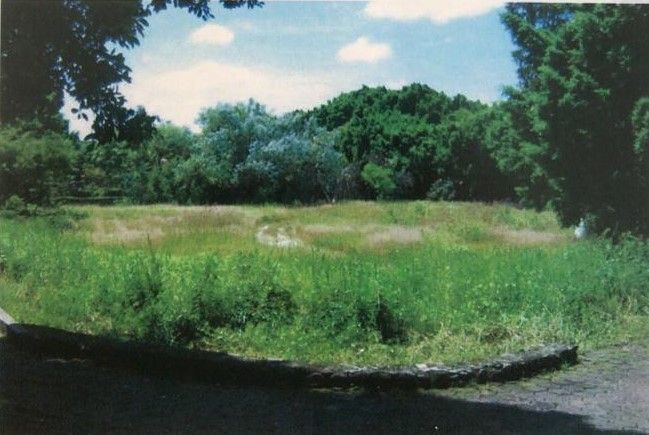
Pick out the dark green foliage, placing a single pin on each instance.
(15, 206)
(441, 190)
(151, 171)
(246, 154)
(58, 46)
(56, 217)
(640, 121)
(353, 316)
(106, 170)
(519, 151)
(164, 156)
(532, 27)
(583, 76)
(380, 179)
(389, 325)
(34, 165)
(421, 139)
(523, 152)
(119, 124)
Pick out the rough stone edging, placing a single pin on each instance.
(223, 367)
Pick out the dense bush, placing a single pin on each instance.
(34, 165)
(380, 179)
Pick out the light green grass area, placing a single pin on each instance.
(356, 282)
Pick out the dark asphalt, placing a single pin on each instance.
(608, 393)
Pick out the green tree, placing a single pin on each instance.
(380, 179)
(640, 120)
(299, 163)
(466, 156)
(56, 46)
(580, 98)
(123, 124)
(431, 144)
(162, 156)
(533, 27)
(34, 165)
(228, 133)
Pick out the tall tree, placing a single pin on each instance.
(582, 90)
(56, 46)
(533, 28)
(418, 142)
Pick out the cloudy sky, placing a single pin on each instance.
(298, 54)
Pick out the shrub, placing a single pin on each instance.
(380, 179)
(441, 189)
(56, 217)
(15, 206)
(34, 165)
(357, 316)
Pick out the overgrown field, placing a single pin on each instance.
(356, 282)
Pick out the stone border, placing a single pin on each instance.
(226, 368)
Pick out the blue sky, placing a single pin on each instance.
(298, 54)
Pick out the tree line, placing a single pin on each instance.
(243, 153)
(572, 134)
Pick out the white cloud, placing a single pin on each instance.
(178, 95)
(438, 11)
(363, 50)
(212, 34)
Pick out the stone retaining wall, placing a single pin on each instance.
(226, 368)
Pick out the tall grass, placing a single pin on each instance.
(459, 294)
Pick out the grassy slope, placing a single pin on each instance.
(380, 283)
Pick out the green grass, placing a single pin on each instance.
(368, 283)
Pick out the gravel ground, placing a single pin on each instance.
(609, 387)
(607, 393)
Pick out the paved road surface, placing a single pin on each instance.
(607, 393)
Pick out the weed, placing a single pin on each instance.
(484, 280)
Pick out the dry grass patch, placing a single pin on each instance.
(395, 235)
(213, 217)
(320, 229)
(123, 231)
(136, 228)
(527, 237)
(373, 235)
